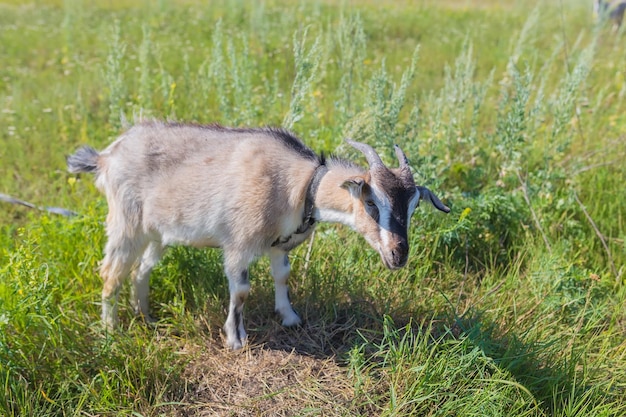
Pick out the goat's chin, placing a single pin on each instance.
(391, 265)
(395, 267)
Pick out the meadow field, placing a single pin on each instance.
(513, 112)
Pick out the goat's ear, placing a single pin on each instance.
(354, 185)
(427, 195)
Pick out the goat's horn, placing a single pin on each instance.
(370, 154)
(404, 162)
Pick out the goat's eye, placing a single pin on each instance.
(372, 209)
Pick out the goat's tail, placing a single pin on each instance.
(84, 160)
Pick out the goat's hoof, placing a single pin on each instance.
(236, 344)
(236, 339)
(291, 320)
(148, 319)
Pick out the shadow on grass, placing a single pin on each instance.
(330, 327)
(334, 324)
(322, 334)
(542, 367)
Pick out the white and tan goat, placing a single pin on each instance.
(251, 192)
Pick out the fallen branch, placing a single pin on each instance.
(53, 210)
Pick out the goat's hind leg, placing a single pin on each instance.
(120, 256)
(141, 281)
(279, 263)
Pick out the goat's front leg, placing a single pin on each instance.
(279, 262)
(239, 286)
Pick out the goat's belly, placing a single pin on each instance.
(197, 240)
(203, 244)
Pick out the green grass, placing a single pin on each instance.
(513, 304)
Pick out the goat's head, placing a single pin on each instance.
(385, 199)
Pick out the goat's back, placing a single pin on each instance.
(207, 185)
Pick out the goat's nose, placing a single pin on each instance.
(400, 255)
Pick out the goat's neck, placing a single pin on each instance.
(332, 202)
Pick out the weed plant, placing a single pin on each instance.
(512, 305)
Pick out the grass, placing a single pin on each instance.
(513, 304)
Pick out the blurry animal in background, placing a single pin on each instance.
(610, 11)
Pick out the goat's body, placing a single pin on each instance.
(246, 191)
(225, 170)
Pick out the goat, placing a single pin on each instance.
(613, 11)
(251, 192)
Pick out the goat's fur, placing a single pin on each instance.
(243, 190)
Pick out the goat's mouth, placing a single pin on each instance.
(391, 263)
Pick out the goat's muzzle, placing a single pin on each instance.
(397, 257)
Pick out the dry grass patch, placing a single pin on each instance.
(260, 381)
(284, 371)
